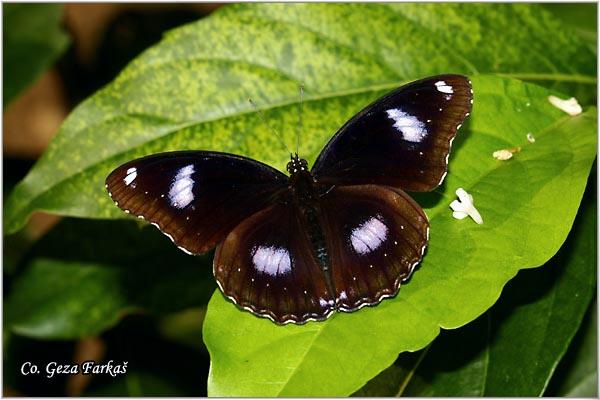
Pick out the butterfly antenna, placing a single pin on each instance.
(299, 120)
(273, 130)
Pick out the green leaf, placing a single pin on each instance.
(84, 276)
(514, 348)
(580, 17)
(460, 372)
(32, 41)
(547, 325)
(577, 375)
(190, 90)
(465, 267)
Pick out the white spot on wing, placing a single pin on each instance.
(271, 260)
(408, 125)
(325, 303)
(443, 87)
(180, 193)
(131, 175)
(368, 236)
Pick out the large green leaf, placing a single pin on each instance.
(577, 375)
(581, 17)
(514, 348)
(528, 205)
(84, 276)
(190, 90)
(550, 321)
(32, 40)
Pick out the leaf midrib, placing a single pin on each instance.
(294, 371)
(404, 384)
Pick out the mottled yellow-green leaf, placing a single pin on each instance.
(190, 91)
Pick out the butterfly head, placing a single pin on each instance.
(296, 164)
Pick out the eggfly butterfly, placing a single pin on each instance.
(339, 236)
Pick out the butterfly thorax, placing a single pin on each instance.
(301, 180)
(297, 165)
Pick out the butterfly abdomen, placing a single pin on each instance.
(317, 239)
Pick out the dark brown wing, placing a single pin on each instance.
(195, 197)
(401, 140)
(375, 237)
(267, 266)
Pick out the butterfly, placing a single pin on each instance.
(336, 237)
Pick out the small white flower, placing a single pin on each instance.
(464, 207)
(530, 138)
(502, 155)
(570, 106)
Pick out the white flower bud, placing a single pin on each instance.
(502, 155)
(570, 106)
(464, 207)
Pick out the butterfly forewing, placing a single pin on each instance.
(402, 140)
(375, 236)
(195, 197)
(267, 265)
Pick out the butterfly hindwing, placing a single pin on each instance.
(401, 140)
(195, 197)
(375, 236)
(267, 265)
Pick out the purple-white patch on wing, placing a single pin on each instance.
(180, 193)
(369, 235)
(272, 260)
(409, 126)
